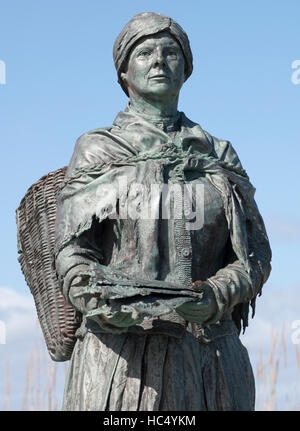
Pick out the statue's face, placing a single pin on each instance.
(156, 67)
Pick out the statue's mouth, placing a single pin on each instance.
(159, 76)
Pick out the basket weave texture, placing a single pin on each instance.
(36, 235)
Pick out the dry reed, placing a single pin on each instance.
(7, 387)
(273, 368)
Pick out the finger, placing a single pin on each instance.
(91, 304)
(121, 317)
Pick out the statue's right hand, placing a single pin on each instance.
(85, 303)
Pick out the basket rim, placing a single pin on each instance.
(36, 183)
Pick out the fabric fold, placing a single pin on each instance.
(139, 151)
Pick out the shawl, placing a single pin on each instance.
(136, 150)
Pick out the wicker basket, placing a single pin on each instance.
(36, 227)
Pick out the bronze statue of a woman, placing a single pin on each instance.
(159, 246)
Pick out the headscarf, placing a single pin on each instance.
(146, 24)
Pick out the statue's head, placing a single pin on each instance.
(152, 53)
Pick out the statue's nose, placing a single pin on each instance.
(159, 59)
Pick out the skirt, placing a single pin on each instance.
(132, 372)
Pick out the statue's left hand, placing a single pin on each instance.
(200, 311)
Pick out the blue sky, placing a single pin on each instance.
(61, 82)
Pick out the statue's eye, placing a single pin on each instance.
(144, 53)
(172, 53)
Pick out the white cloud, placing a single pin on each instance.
(286, 228)
(276, 310)
(18, 313)
(23, 339)
(10, 299)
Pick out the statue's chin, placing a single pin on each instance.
(159, 92)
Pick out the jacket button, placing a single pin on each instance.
(193, 162)
(186, 252)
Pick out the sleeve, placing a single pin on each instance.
(77, 256)
(82, 250)
(235, 286)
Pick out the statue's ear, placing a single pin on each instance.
(124, 76)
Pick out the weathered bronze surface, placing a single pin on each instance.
(159, 247)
